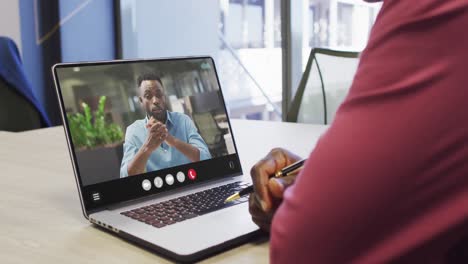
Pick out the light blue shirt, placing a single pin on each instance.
(180, 126)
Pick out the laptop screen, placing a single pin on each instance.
(137, 128)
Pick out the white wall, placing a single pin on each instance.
(167, 28)
(10, 21)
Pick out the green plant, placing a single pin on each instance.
(89, 132)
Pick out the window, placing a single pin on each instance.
(340, 24)
(243, 36)
(245, 39)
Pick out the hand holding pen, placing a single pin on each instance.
(286, 171)
(269, 190)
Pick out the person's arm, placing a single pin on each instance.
(129, 151)
(341, 203)
(191, 152)
(195, 149)
(138, 163)
(130, 148)
(195, 139)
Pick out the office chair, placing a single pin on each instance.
(211, 133)
(19, 109)
(204, 107)
(317, 98)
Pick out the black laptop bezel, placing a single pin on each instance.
(220, 167)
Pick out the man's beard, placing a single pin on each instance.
(159, 116)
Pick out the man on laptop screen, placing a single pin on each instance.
(162, 139)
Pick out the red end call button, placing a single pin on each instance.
(192, 174)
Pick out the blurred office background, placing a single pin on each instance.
(185, 83)
(260, 47)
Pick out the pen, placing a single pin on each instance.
(288, 170)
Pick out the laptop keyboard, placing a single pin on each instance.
(186, 207)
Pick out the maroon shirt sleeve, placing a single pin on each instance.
(388, 180)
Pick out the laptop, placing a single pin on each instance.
(153, 153)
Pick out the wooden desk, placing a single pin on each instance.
(40, 214)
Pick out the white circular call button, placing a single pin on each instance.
(158, 182)
(146, 184)
(169, 179)
(180, 176)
